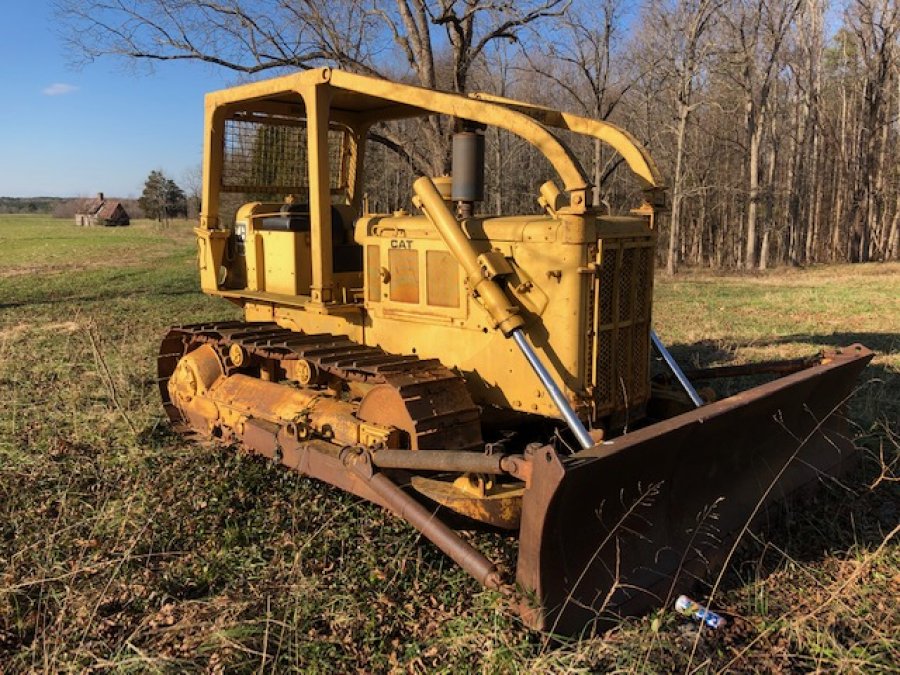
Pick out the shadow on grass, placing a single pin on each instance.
(879, 395)
(160, 435)
(882, 343)
(706, 351)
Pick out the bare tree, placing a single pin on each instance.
(681, 36)
(245, 36)
(192, 180)
(589, 62)
(775, 127)
(803, 180)
(876, 26)
(255, 36)
(470, 27)
(757, 30)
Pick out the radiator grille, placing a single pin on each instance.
(623, 293)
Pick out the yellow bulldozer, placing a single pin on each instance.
(462, 369)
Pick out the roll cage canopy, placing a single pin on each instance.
(325, 99)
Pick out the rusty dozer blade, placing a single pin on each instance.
(624, 526)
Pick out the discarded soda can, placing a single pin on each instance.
(684, 605)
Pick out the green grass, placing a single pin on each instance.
(786, 306)
(41, 245)
(123, 548)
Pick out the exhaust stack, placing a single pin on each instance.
(468, 169)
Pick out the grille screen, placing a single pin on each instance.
(269, 156)
(622, 325)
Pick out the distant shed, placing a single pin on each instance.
(102, 211)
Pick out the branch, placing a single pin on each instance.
(392, 142)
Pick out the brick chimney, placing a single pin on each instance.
(100, 196)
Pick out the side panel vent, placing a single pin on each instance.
(623, 296)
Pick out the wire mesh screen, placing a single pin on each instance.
(270, 157)
(622, 324)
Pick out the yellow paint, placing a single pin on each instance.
(200, 388)
(543, 270)
(498, 504)
(633, 152)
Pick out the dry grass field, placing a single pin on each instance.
(124, 548)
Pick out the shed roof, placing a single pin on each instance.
(91, 207)
(108, 209)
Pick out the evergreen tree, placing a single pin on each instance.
(162, 198)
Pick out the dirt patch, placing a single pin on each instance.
(70, 267)
(16, 330)
(11, 332)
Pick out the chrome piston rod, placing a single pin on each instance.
(676, 369)
(584, 438)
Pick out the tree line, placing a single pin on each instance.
(29, 205)
(775, 122)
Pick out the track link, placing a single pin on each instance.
(440, 410)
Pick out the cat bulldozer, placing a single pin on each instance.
(465, 370)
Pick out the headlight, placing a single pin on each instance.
(240, 236)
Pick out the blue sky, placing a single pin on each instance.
(74, 132)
